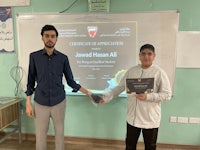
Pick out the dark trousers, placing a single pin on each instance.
(149, 136)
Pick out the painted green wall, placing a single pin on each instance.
(108, 121)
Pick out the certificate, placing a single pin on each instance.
(139, 85)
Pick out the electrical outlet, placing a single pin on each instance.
(173, 119)
(194, 120)
(182, 119)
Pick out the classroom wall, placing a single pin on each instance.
(83, 119)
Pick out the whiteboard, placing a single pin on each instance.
(157, 28)
(188, 45)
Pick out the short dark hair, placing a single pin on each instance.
(147, 46)
(47, 28)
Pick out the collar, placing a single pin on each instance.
(140, 65)
(55, 52)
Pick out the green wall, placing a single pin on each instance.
(107, 121)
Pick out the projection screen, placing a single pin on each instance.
(101, 46)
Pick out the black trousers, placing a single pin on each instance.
(149, 136)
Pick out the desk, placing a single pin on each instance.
(9, 113)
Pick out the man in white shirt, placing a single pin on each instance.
(144, 109)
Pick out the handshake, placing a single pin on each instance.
(97, 98)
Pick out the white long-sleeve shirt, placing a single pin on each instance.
(145, 114)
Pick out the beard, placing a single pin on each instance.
(49, 45)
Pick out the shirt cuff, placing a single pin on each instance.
(76, 89)
(28, 93)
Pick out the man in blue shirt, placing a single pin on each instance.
(46, 68)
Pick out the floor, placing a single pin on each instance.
(12, 144)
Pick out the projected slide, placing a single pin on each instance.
(101, 46)
(99, 53)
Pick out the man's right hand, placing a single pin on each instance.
(102, 101)
(29, 108)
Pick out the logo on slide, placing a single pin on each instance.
(92, 30)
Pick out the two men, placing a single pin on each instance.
(47, 67)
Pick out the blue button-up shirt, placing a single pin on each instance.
(47, 71)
